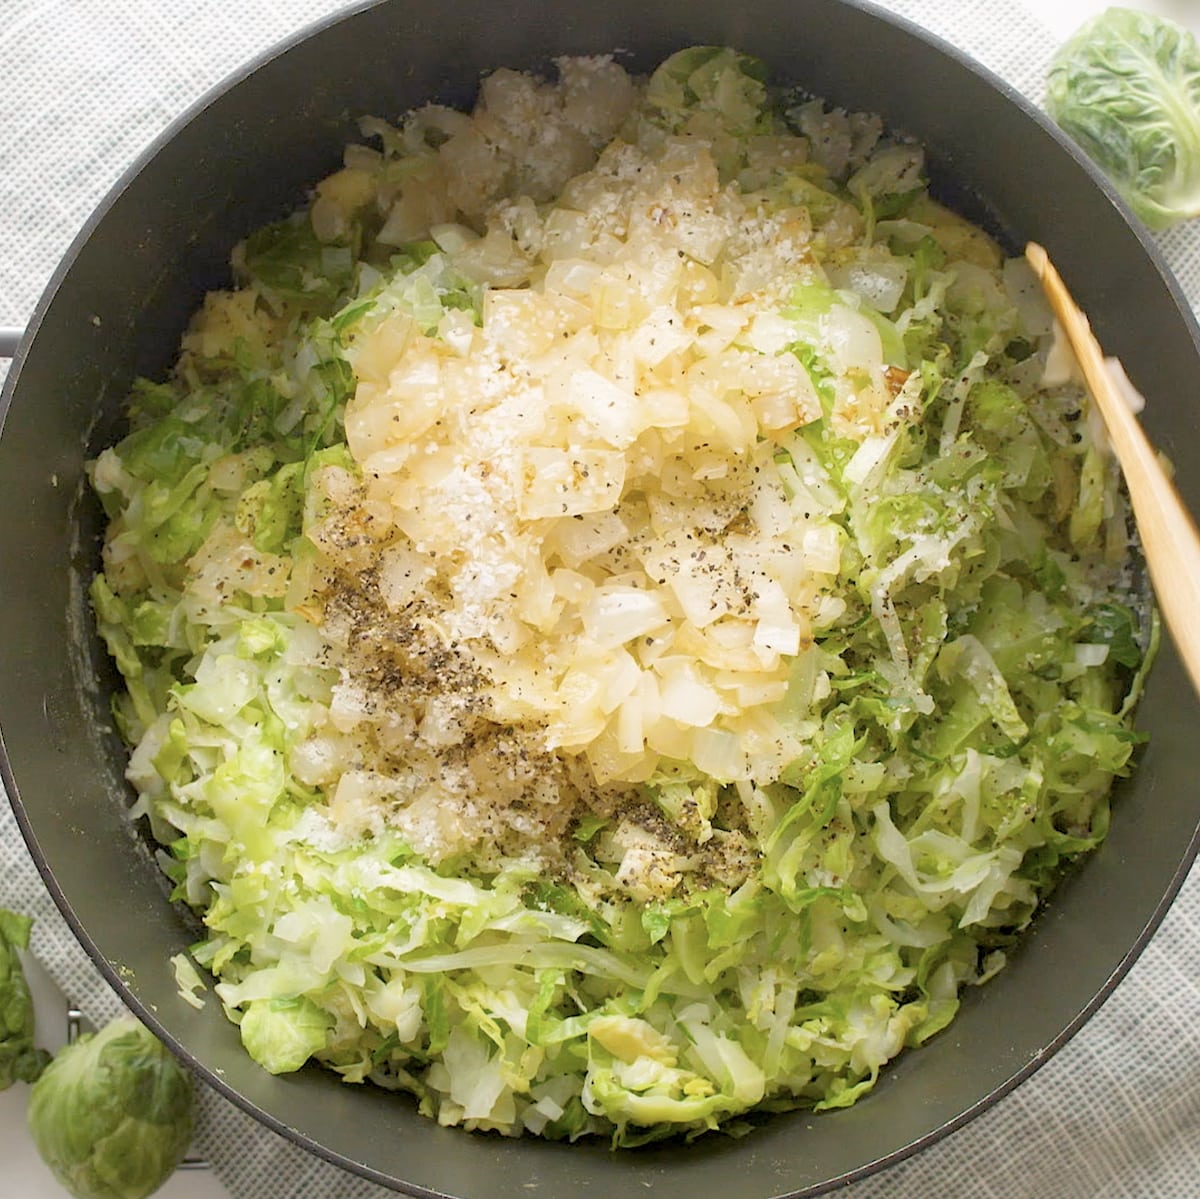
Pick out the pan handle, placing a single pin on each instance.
(9, 340)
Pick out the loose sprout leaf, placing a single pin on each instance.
(188, 980)
(282, 1034)
(20, 1059)
(1126, 87)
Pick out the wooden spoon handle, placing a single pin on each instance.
(1169, 539)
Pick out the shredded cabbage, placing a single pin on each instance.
(616, 630)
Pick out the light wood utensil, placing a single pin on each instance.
(1169, 539)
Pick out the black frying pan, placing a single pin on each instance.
(116, 308)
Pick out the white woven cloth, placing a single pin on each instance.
(85, 85)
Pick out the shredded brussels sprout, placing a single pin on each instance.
(617, 633)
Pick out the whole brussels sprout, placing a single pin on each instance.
(112, 1114)
(19, 1059)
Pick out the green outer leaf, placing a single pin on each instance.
(1126, 87)
(282, 1034)
(20, 1060)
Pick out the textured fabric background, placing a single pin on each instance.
(84, 86)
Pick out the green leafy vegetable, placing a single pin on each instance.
(1115, 625)
(112, 1114)
(20, 1060)
(289, 261)
(710, 79)
(1126, 87)
(766, 911)
(282, 1034)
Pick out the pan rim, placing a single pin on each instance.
(143, 160)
